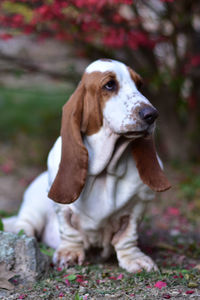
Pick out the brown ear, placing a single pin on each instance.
(136, 78)
(72, 172)
(150, 172)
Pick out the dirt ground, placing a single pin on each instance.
(169, 233)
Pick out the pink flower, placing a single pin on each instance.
(160, 284)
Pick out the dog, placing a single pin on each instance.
(102, 172)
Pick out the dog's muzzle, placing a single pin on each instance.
(148, 114)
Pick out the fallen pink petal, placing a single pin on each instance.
(160, 284)
(173, 211)
(61, 295)
(22, 296)
(120, 276)
(67, 282)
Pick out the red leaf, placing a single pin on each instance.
(166, 296)
(113, 277)
(195, 60)
(189, 292)
(5, 36)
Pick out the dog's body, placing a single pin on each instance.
(105, 159)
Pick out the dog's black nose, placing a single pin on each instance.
(148, 114)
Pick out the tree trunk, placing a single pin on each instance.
(175, 135)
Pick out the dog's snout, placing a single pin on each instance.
(148, 114)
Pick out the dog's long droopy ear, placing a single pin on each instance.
(150, 172)
(72, 172)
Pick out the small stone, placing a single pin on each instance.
(22, 255)
(82, 289)
(192, 284)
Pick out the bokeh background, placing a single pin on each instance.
(44, 48)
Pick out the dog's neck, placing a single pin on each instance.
(104, 149)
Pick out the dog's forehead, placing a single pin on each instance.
(108, 65)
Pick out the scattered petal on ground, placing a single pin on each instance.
(120, 276)
(61, 295)
(166, 296)
(67, 282)
(173, 211)
(22, 296)
(160, 284)
(189, 292)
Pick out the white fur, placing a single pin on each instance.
(110, 65)
(113, 189)
(119, 110)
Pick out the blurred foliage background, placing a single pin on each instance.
(45, 46)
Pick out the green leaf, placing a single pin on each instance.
(77, 297)
(48, 251)
(71, 277)
(17, 8)
(21, 232)
(1, 225)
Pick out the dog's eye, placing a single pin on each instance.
(111, 85)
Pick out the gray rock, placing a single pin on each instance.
(21, 255)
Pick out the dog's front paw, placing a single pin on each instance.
(135, 261)
(26, 227)
(66, 256)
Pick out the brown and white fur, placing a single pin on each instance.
(101, 172)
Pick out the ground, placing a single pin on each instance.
(169, 233)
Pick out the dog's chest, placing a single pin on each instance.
(112, 191)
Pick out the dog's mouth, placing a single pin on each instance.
(136, 134)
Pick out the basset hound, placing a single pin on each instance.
(101, 174)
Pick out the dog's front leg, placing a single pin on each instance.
(71, 248)
(130, 257)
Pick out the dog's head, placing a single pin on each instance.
(108, 90)
(125, 109)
